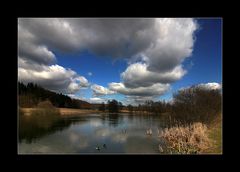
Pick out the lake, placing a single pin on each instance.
(92, 133)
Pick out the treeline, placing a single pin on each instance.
(112, 106)
(189, 105)
(31, 95)
(151, 106)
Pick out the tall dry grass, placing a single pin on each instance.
(189, 139)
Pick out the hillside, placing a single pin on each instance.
(31, 94)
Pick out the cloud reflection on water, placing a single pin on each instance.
(78, 140)
(83, 137)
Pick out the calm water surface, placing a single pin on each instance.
(121, 133)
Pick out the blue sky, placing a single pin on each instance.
(205, 64)
(104, 70)
(75, 53)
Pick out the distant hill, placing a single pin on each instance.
(32, 94)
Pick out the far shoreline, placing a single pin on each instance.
(65, 112)
(69, 112)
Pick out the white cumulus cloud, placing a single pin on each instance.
(99, 90)
(96, 100)
(211, 86)
(160, 44)
(208, 86)
(53, 77)
(137, 75)
(155, 89)
(36, 60)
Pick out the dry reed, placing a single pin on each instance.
(185, 139)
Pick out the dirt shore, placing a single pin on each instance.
(64, 111)
(70, 111)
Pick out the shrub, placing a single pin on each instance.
(196, 105)
(45, 104)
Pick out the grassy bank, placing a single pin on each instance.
(215, 136)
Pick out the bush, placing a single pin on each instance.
(46, 108)
(196, 105)
(45, 104)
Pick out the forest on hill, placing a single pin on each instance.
(30, 95)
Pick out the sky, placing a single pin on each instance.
(128, 59)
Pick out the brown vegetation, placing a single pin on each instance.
(185, 139)
(45, 104)
(70, 111)
(196, 105)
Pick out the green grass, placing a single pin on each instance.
(215, 134)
